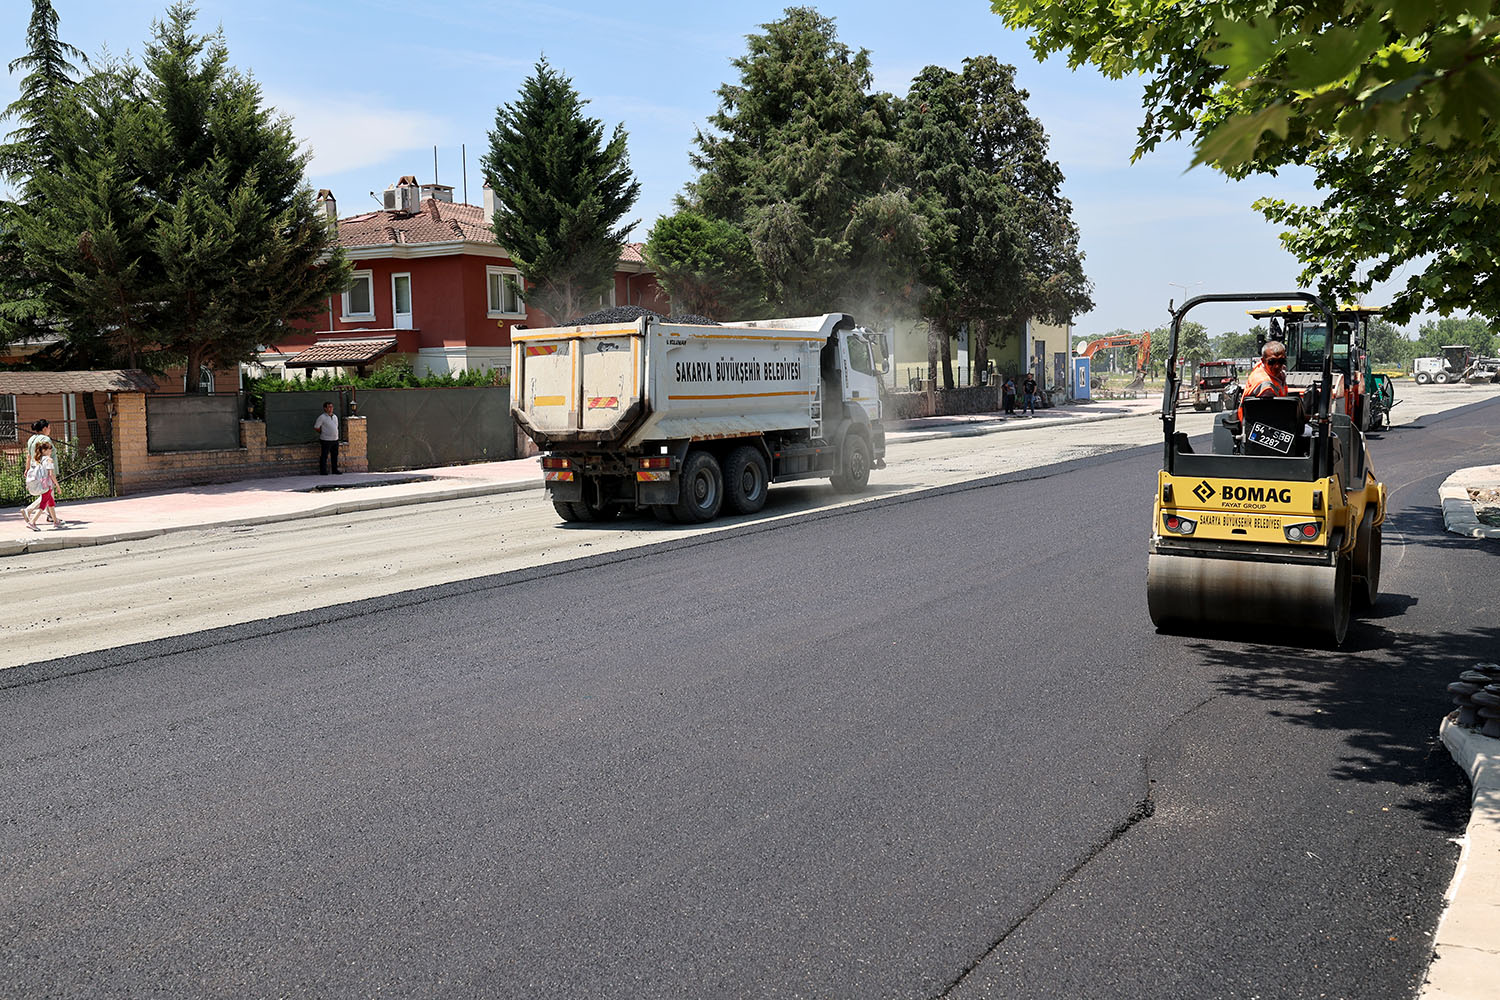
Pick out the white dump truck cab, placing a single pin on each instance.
(687, 419)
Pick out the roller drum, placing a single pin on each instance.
(1196, 592)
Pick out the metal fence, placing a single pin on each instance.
(85, 469)
(405, 428)
(424, 428)
(290, 415)
(192, 422)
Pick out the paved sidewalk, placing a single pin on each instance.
(290, 498)
(1466, 964)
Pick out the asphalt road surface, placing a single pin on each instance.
(927, 746)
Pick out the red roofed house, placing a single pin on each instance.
(429, 284)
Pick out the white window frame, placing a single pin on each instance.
(8, 406)
(368, 277)
(489, 287)
(410, 305)
(205, 380)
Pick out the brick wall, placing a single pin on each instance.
(137, 471)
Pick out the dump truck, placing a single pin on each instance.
(686, 420)
(1277, 523)
(1217, 386)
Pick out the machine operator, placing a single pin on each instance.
(1267, 378)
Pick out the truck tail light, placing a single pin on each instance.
(556, 469)
(656, 462)
(556, 462)
(1304, 532)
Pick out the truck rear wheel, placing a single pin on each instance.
(702, 489)
(566, 511)
(745, 480)
(1423, 378)
(854, 465)
(607, 510)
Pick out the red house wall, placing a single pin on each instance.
(450, 303)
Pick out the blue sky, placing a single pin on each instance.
(373, 86)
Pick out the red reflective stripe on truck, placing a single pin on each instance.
(748, 395)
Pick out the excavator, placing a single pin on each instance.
(1277, 524)
(1142, 344)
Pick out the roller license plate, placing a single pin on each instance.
(1270, 437)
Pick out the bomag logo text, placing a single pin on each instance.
(1257, 494)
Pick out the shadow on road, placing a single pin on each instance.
(1385, 691)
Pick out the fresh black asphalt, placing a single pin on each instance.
(928, 747)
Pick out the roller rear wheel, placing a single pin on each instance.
(1367, 562)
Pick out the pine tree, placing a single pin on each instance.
(560, 193)
(31, 150)
(43, 94)
(799, 151)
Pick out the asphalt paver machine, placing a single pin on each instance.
(1278, 524)
(1306, 338)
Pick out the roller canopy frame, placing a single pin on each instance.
(1323, 454)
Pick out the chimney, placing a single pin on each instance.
(438, 192)
(489, 203)
(327, 205)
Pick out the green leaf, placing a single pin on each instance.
(1245, 47)
(1411, 17)
(1482, 83)
(1332, 56)
(1234, 142)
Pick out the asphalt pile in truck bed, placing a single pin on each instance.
(629, 314)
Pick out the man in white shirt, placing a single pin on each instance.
(327, 426)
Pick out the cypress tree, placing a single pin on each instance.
(560, 193)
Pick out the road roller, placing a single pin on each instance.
(1276, 522)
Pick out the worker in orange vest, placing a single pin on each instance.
(1268, 377)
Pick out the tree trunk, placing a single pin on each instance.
(194, 366)
(979, 345)
(947, 347)
(934, 335)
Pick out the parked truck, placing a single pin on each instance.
(686, 420)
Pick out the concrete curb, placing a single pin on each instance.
(48, 543)
(1466, 963)
(1459, 514)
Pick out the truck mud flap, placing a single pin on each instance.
(627, 423)
(566, 492)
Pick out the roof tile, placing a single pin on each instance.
(436, 222)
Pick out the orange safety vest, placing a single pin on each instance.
(1262, 382)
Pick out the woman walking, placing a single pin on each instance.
(41, 481)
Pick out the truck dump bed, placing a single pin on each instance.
(623, 386)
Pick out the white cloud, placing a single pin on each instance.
(348, 133)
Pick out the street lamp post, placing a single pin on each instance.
(1177, 284)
